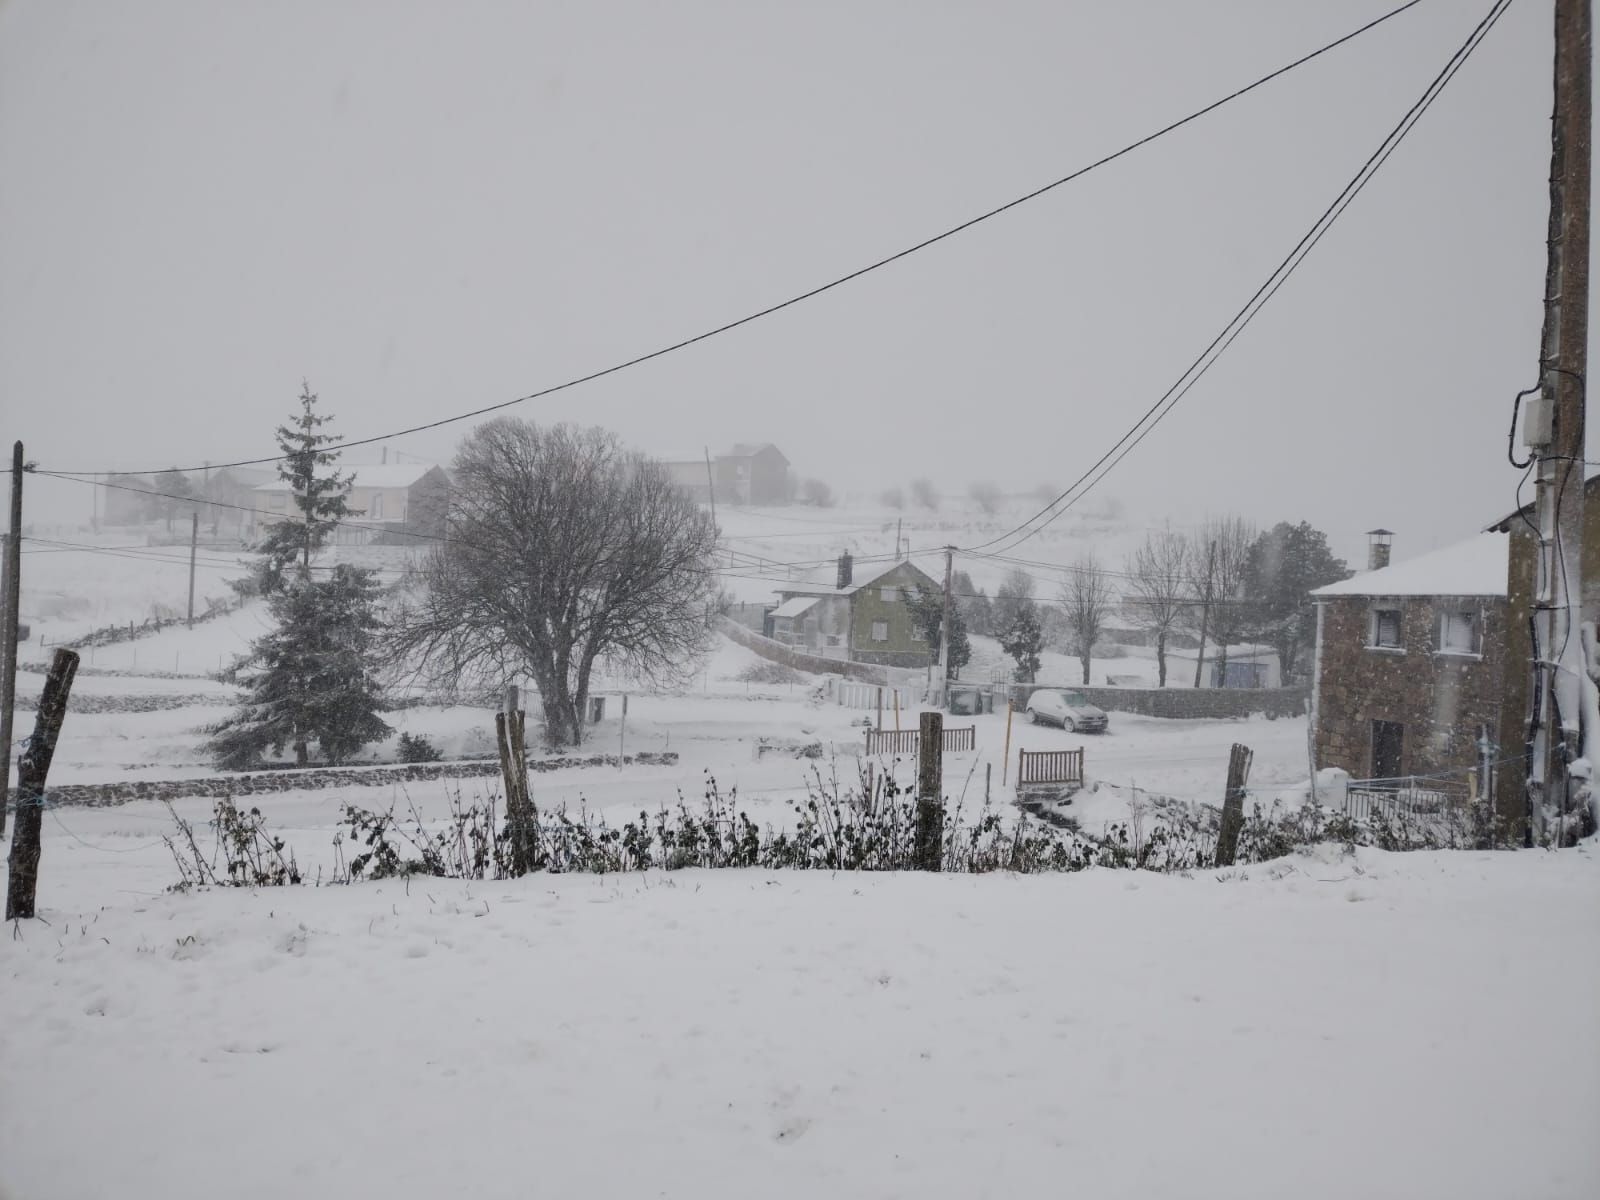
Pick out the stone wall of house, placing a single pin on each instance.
(1190, 704)
(257, 783)
(1442, 700)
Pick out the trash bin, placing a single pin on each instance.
(597, 709)
(963, 701)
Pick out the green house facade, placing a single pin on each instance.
(860, 617)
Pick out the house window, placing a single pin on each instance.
(1385, 632)
(889, 594)
(1458, 633)
(880, 631)
(377, 506)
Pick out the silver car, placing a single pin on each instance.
(1068, 709)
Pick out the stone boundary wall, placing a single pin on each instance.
(1183, 703)
(257, 783)
(777, 652)
(155, 702)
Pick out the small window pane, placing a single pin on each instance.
(880, 631)
(889, 594)
(1386, 627)
(1459, 633)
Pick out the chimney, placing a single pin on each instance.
(846, 573)
(1378, 544)
(385, 455)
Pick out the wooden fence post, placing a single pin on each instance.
(1233, 805)
(31, 774)
(1005, 757)
(509, 727)
(928, 848)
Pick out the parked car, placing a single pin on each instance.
(1068, 709)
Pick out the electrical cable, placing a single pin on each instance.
(1241, 319)
(852, 275)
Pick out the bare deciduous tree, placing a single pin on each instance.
(924, 494)
(1014, 590)
(986, 496)
(1086, 599)
(893, 498)
(563, 550)
(1159, 589)
(1219, 560)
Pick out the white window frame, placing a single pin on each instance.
(1375, 626)
(889, 593)
(1475, 641)
(880, 631)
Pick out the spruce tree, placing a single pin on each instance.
(927, 612)
(320, 493)
(1023, 639)
(314, 677)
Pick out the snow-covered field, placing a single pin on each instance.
(1387, 1025)
(1382, 1026)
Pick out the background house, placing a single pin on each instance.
(1247, 666)
(398, 501)
(748, 473)
(1410, 664)
(857, 619)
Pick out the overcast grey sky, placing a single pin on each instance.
(429, 207)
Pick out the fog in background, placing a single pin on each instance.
(424, 208)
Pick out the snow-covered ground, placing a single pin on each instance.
(1311, 1027)
(1385, 1026)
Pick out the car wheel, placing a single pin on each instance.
(1033, 716)
(1068, 725)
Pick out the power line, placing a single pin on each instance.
(1241, 319)
(851, 276)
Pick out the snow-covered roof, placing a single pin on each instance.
(1475, 567)
(381, 475)
(824, 581)
(794, 607)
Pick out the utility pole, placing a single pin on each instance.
(897, 523)
(1205, 614)
(711, 488)
(10, 615)
(945, 622)
(1555, 429)
(194, 541)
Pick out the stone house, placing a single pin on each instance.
(1410, 663)
(748, 473)
(865, 619)
(391, 501)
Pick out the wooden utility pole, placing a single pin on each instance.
(31, 773)
(1205, 614)
(946, 623)
(928, 846)
(1555, 430)
(10, 616)
(897, 523)
(194, 541)
(1233, 805)
(711, 488)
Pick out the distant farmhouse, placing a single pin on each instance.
(392, 502)
(861, 619)
(749, 473)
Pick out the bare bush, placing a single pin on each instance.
(924, 494)
(816, 492)
(986, 496)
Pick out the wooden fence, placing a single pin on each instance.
(1049, 767)
(906, 741)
